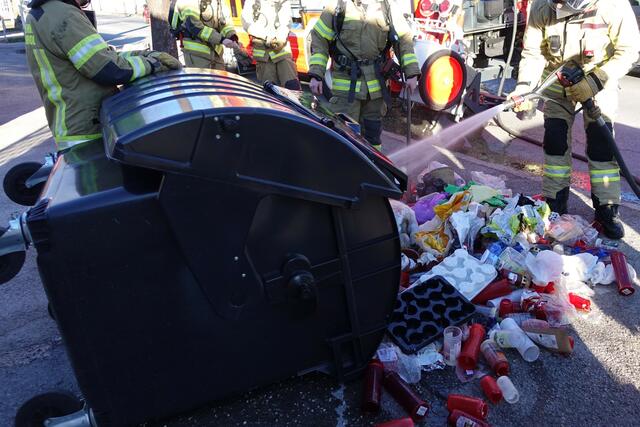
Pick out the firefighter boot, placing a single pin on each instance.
(559, 203)
(372, 132)
(608, 217)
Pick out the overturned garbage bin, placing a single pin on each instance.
(229, 238)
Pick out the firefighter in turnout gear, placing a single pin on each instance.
(204, 28)
(268, 23)
(356, 35)
(74, 69)
(601, 37)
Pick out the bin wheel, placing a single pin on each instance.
(52, 315)
(15, 187)
(10, 265)
(36, 410)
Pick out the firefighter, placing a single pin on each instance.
(74, 69)
(205, 29)
(602, 38)
(268, 23)
(356, 35)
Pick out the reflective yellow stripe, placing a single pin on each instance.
(138, 66)
(85, 49)
(324, 31)
(604, 172)
(28, 29)
(54, 92)
(373, 85)
(605, 180)
(344, 85)
(189, 12)
(174, 19)
(409, 58)
(206, 33)
(557, 171)
(274, 55)
(258, 52)
(319, 59)
(65, 142)
(226, 30)
(30, 40)
(196, 47)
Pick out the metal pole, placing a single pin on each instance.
(4, 30)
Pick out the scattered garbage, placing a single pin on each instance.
(486, 274)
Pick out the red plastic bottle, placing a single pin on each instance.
(496, 289)
(468, 358)
(495, 357)
(462, 419)
(372, 391)
(405, 396)
(473, 406)
(490, 388)
(400, 422)
(619, 263)
(580, 303)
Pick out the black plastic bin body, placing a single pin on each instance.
(176, 265)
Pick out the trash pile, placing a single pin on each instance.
(484, 270)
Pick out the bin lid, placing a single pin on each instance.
(218, 125)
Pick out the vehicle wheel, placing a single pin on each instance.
(10, 265)
(15, 184)
(36, 410)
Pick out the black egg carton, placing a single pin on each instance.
(423, 311)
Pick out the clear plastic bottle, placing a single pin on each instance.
(509, 391)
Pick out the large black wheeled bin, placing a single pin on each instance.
(228, 239)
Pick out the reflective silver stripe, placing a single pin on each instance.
(138, 66)
(85, 49)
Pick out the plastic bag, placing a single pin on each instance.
(423, 208)
(434, 236)
(497, 182)
(578, 268)
(458, 202)
(544, 267)
(481, 193)
(568, 229)
(608, 276)
(406, 222)
(467, 225)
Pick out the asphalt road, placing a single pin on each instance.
(596, 386)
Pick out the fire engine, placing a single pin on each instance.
(459, 43)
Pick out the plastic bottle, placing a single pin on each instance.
(518, 280)
(533, 323)
(473, 406)
(458, 418)
(509, 391)
(373, 375)
(580, 303)
(468, 358)
(507, 307)
(527, 349)
(452, 345)
(493, 290)
(621, 271)
(519, 318)
(495, 357)
(405, 396)
(506, 338)
(400, 422)
(554, 339)
(490, 388)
